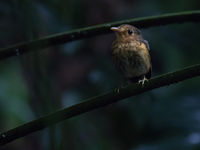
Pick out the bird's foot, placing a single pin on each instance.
(142, 81)
(117, 90)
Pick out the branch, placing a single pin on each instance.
(97, 102)
(61, 38)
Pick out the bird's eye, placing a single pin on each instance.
(130, 32)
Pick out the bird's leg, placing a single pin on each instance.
(116, 90)
(123, 85)
(142, 81)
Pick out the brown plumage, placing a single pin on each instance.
(130, 53)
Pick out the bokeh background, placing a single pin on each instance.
(40, 82)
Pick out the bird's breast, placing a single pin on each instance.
(132, 58)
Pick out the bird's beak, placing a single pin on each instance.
(115, 29)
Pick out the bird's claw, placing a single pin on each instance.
(143, 81)
(116, 90)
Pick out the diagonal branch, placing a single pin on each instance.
(97, 102)
(61, 38)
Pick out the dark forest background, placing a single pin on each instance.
(40, 82)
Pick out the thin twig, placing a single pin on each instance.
(97, 102)
(57, 39)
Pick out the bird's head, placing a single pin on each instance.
(126, 32)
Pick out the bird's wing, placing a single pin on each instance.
(146, 43)
(148, 75)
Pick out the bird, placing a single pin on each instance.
(130, 54)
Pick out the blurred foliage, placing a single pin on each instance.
(38, 83)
